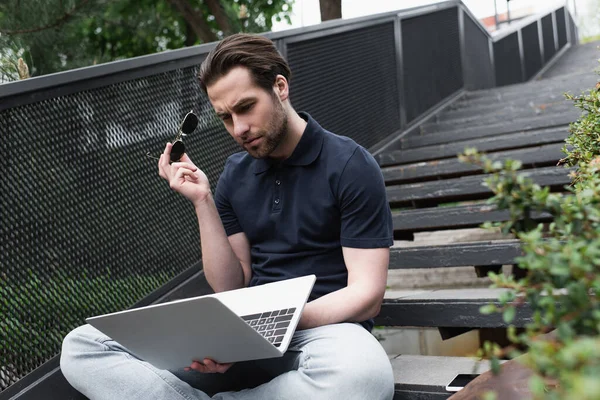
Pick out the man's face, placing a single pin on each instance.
(255, 118)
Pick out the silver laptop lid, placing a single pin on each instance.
(172, 335)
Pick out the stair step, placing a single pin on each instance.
(447, 308)
(539, 156)
(466, 187)
(466, 108)
(426, 377)
(488, 253)
(526, 124)
(431, 219)
(478, 118)
(577, 60)
(394, 155)
(557, 84)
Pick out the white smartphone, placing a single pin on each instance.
(460, 381)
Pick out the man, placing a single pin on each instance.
(299, 200)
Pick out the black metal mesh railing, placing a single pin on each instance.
(572, 29)
(561, 28)
(88, 227)
(507, 60)
(548, 36)
(431, 60)
(531, 50)
(479, 73)
(348, 82)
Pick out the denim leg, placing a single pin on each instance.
(101, 368)
(341, 361)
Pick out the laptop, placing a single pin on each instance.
(238, 325)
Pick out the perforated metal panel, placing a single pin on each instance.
(561, 27)
(88, 227)
(507, 60)
(548, 35)
(531, 50)
(478, 67)
(573, 30)
(348, 82)
(431, 58)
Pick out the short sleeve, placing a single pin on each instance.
(228, 216)
(366, 217)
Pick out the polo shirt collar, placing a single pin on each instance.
(306, 152)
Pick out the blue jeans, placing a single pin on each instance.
(341, 361)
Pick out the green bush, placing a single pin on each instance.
(37, 314)
(562, 261)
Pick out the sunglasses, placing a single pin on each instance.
(187, 126)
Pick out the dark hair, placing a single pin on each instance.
(254, 52)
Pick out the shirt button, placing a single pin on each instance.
(278, 182)
(276, 201)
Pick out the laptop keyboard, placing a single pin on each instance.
(271, 324)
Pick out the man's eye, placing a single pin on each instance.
(246, 107)
(226, 117)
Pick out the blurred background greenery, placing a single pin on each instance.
(56, 35)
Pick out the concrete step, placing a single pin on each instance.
(426, 342)
(426, 377)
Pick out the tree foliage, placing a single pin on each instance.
(56, 35)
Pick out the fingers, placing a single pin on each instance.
(217, 367)
(209, 366)
(184, 158)
(167, 171)
(188, 165)
(163, 162)
(181, 176)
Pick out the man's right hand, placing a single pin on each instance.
(209, 366)
(184, 177)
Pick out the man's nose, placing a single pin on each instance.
(240, 127)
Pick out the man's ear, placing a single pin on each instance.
(281, 87)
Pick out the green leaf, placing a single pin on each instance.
(495, 365)
(509, 314)
(537, 386)
(488, 309)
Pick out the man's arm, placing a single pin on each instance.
(361, 299)
(366, 234)
(226, 261)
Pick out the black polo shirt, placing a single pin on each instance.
(298, 213)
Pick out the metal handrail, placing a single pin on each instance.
(193, 55)
(518, 25)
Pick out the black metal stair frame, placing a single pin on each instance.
(437, 192)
